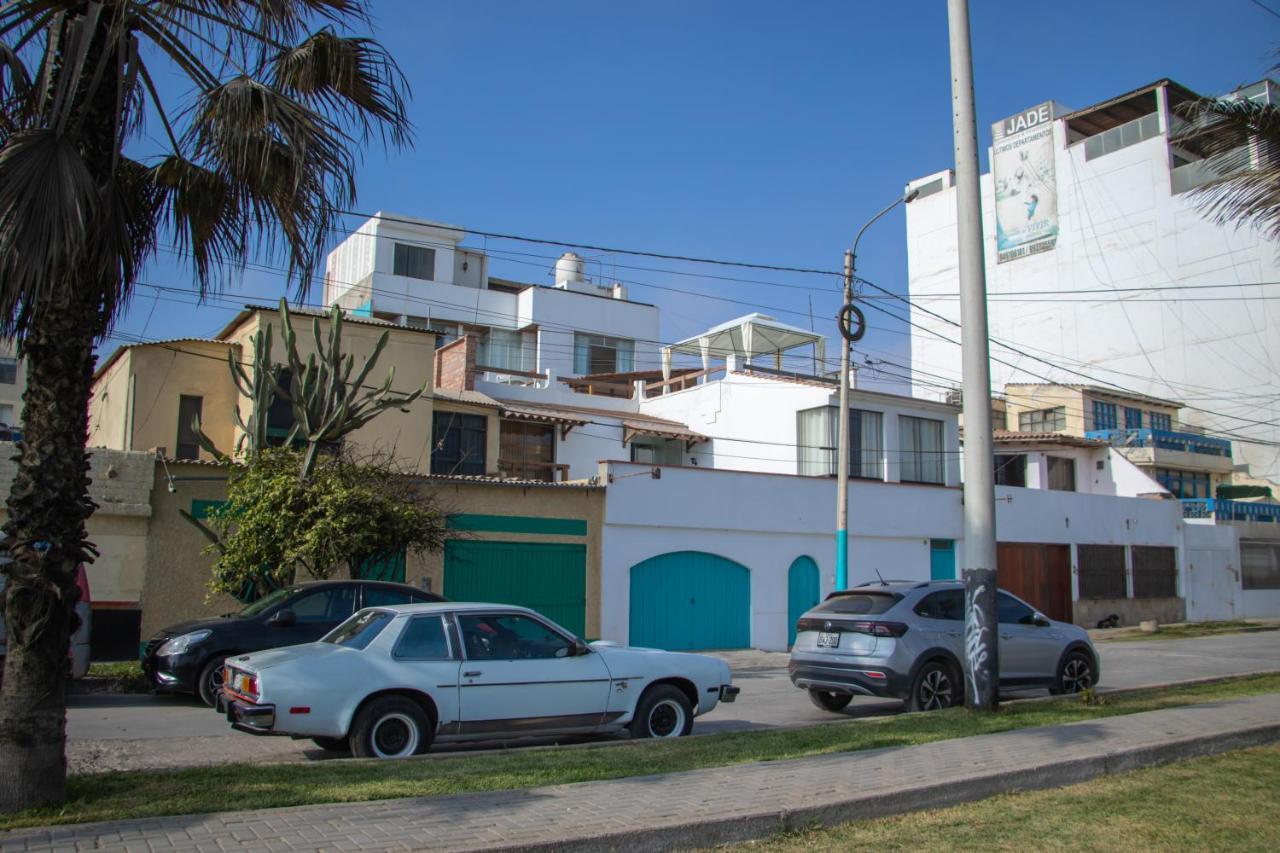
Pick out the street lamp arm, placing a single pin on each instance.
(909, 196)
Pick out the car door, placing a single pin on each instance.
(429, 661)
(942, 619)
(1028, 652)
(520, 675)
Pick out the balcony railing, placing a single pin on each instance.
(1185, 442)
(1224, 510)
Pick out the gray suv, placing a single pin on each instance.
(905, 640)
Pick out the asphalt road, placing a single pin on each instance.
(113, 732)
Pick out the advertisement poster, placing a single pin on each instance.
(1025, 184)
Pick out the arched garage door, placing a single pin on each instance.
(690, 600)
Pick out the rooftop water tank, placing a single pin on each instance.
(569, 268)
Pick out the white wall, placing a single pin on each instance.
(1120, 227)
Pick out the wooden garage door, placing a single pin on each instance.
(1038, 574)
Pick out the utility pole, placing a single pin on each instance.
(982, 663)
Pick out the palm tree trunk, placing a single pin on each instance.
(48, 505)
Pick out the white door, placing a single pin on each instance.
(520, 675)
(1211, 584)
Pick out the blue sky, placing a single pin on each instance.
(745, 130)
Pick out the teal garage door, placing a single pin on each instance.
(550, 578)
(689, 600)
(802, 592)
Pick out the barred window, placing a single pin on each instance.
(1101, 571)
(1155, 572)
(1261, 564)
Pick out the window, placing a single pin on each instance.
(1011, 469)
(920, 442)
(1062, 473)
(859, 604)
(948, 604)
(1102, 571)
(1155, 572)
(8, 370)
(359, 631)
(6, 414)
(657, 451)
(458, 443)
(1132, 418)
(1261, 564)
(189, 411)
(1043, 420)
(415, 262)
(1011, 611)
(599, 354)
(1185, 484)
(817, 434)
(505, 349)
(506, 637)
(1161, 421)
(527, 450)
(424, 638)
(280, 419)
(1122, 136)
(375, 596)
(325, 605)
(1104, 415)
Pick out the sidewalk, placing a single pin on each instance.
(704, 807)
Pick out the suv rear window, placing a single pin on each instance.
(859, 603)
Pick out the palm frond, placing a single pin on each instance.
(202, 214)
(349, 75)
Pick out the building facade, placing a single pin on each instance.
(13, 383)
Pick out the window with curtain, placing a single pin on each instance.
(602, 354)
(922, 458)
(817, 434)
(527, 450)
(1062, 473)
(414, 262)
(505, 349)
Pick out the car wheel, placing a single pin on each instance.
(332, 744)
(664, 711)
(1075, 673)
(210, 682)
(391, 727)
(936, 687)
(830, 701)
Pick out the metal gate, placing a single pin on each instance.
(690, 600)
(550, 578)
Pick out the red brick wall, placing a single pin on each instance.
(456, 364)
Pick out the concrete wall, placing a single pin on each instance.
(1120, 227)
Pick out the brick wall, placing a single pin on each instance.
(456, 364)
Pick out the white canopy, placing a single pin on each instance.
(746, 337)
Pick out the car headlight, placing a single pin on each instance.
(179, 644)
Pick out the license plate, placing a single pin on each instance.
(828, 641)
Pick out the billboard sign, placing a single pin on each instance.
(1026, 188)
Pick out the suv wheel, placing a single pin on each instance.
(1075, 673)
(936, 686)
(830, 701)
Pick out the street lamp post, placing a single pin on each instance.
(847, 336)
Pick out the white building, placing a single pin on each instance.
(415, 272)
(13, 383)
(1099, 261)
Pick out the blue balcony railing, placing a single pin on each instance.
(1223, 510)
(1185, 442)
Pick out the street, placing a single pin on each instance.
(123, 732)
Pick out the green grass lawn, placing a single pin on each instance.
(1189, 630)
(1221, 802)
(237, 786)
(126, 676)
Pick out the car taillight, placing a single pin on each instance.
(251, 686)
(879, 629)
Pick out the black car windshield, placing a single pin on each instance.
(859, 604)
(268, 600)
(359, 631)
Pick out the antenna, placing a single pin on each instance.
(877, 571)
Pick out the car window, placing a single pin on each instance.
(332, 604)
(947, 604)
(510, 636)
(381, 596)
(859, 604)
(1011, 611)
(424, 638)
(360, 630)
(268, 600)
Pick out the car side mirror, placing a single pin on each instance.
(282, 618)
(1040, 620)
(579, 648)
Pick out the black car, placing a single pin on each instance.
(187, 658)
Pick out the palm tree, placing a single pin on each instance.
(1239, 140)
(257, 155)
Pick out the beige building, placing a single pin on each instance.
(147, 396)
(13, 382)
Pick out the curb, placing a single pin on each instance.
(716, 831)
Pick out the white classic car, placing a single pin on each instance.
(390, 680)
